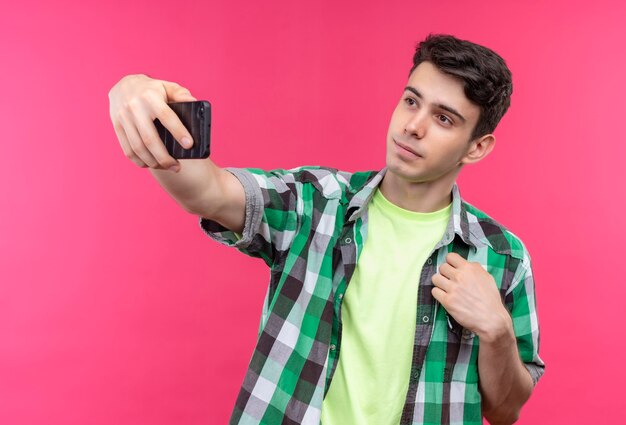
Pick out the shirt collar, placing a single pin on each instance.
(458, 224)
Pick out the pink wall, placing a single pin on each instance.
(116, 309)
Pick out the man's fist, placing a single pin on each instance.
(470, 294)
(134, 103)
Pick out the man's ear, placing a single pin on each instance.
(479, 148)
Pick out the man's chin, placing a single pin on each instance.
(400, 172)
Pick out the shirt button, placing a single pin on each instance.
(429, 261)
(425, 319)
(467, 334)
(340, 296)
(333, 347)
(347, 240)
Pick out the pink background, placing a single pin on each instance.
(116, 309)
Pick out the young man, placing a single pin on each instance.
(391, 300)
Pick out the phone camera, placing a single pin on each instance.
(200, 113)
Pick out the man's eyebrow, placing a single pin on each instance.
(440, 105)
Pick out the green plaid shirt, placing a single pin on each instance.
(309, 225)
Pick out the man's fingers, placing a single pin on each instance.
(455, 260)
(177, 93)
(128, 151)
(170, 120)
(440, 295)
(135, 102)
(447, 270)
(136, 144)
(441, 282)
(155, 145)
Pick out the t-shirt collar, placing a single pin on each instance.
(458, 223)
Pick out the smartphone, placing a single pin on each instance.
(196, 117)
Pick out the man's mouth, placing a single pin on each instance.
(406, 148)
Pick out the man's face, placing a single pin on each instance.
(434, 119)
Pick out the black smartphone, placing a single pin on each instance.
(196, 117)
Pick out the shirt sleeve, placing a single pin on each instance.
(271, 220)
(522, 304)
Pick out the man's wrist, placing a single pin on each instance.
(499, 333)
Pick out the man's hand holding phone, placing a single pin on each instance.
(150, 118)
(135, 102)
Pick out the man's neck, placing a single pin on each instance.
(419, 197)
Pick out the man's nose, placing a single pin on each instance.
(416, 125)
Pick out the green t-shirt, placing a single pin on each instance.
(378, 313)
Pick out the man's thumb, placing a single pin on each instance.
(177, 93)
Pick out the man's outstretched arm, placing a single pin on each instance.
(198, 185)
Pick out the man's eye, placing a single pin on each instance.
(444, 119)
(409, 101)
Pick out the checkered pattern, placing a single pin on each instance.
(309, 225)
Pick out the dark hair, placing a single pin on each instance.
(485, 75)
